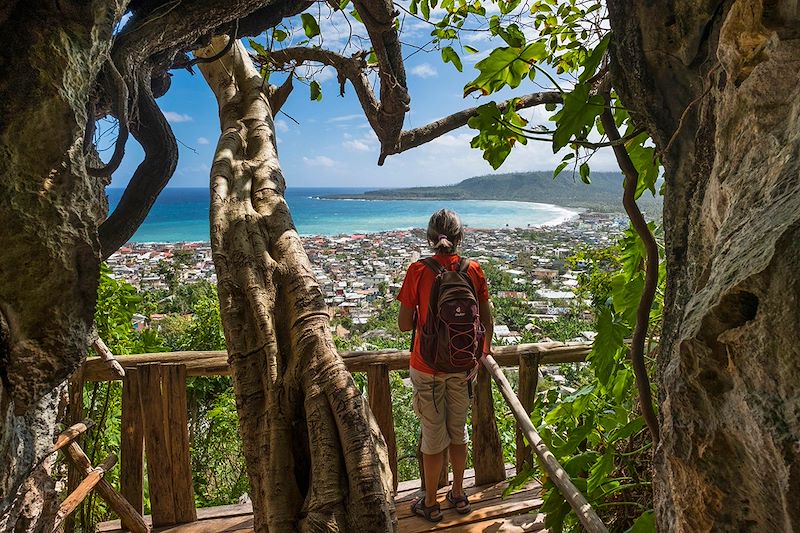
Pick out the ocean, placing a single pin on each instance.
(181, 214)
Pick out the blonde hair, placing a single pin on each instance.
(445, 231)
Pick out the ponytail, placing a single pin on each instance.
(445, 231)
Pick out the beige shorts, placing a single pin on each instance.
(441, 402)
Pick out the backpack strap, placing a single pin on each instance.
(463, 268)
(433, 264)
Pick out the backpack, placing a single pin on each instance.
(452, 337)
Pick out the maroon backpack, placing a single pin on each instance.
(452, 337)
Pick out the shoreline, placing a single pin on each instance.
(571, 215)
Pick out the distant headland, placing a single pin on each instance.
(603, 194)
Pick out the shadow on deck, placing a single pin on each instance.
(490, 513)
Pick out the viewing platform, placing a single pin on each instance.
(154, 422)
(490, 512)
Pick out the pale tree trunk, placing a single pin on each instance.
(49, 213)
(717, 84)
(315, 457)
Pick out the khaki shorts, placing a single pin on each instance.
(441, 402)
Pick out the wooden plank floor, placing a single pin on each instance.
(490, 513)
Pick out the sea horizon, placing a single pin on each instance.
(181, 214)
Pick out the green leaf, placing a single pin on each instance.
(560, 168)
(626, 294)
(450, 56)
(279, 35)
(599, 472)
(260, 50)
(646, 163)
(584, 171)
(607, 346)
(470, 49)
(343, 4)
(519, 481)
(316, 91)
(310, 25)
(646, 523)
(576, 116)
(594, 59)
(505, 66)
(425, 8)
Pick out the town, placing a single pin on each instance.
(359, 272)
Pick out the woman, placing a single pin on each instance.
(441, 400)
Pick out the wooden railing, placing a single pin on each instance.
(155, 415)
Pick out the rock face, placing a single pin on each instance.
(49, 213)
(718, 86)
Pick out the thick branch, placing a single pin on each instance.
(651, 272)
(349, 68)
(160, 158)
(378, 17)
(117, 89)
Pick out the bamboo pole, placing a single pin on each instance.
(77, 496)
(555, 471)
(70, 434)
(127, 514)
(105, 354)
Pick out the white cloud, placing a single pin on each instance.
(346, 118)
(281, 126)
(357, 145)
(424, 70)
(172, 116)
(319, 161)
(203, 140)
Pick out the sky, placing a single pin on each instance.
(330, 144)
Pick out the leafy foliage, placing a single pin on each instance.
(596, 431)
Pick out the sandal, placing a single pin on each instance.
(455, 500)
(419, 508)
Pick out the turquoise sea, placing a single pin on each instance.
(181, 214)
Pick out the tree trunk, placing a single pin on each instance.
(717, 84)
(315, 456)
(49, 213)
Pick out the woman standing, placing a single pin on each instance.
(441, 399)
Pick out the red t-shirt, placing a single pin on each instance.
(416, 292)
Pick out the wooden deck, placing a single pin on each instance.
(490, 513)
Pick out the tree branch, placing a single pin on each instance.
(153, 132)
(117, 89)
(418, 136)
(349, 68)
(651, 272)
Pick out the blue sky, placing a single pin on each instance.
(333, 145)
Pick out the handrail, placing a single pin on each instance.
(555, 471)
(215, 363)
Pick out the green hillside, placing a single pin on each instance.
(604, 193)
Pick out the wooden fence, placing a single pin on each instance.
(155, 414)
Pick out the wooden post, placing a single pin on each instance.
(528, 382)
(487, 452)
(380, 402)
(75, 498)
(127, 514)
(174, 391)
(159, 467)
(131, 476)
(555, 471)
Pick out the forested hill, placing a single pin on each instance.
(604, 192)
